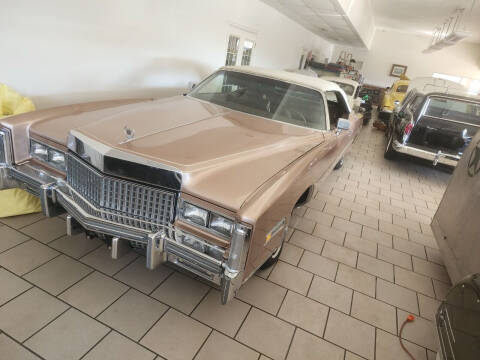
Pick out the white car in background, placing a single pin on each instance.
(351, 88)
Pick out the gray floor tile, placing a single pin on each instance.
(262, 294)
(266, 334)
(351, 334)
(46, 230)
(225, 318)
(10, 238)
(319, 265)
(304, 313)
(221, 347)
(308, 347)
(58, 274)
(133, 314)
(420, 331)
(28, 313)
(176, 336)
(139, 277)
(101, 260)
(388, 348)
(414, 281)
(374, 312)
(74, 334)
(94, 293)
(340, 254)
(356, 279)
(307, 241)
(181, 292)
(291, 277)
(331, 294)
(11, 350)
(76, 246)
(117, 347)
(375, 267)
(26, 257)
(398, 296)
(20, 221)
(291, 254)
(11, 286)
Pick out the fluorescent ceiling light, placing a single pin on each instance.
(456, 36)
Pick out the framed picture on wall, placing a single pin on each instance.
(398, 70)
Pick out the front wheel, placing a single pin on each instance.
(339, 164)
(390, 153)
(273, 258)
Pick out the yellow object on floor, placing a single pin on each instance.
(12, 103)
(18, 202)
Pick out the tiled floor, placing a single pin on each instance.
(361, 258)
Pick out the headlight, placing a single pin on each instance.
(57, 159)
(201, 246)
(222, 225)
(39, 151)
(51, 156)
(195, 214)
(209, 220)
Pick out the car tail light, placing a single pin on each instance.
(408, 129)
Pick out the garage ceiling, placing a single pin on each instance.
(325, 18)
(421, 17)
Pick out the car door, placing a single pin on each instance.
(337, 108)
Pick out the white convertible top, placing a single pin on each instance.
(342, 80)
(290, 77)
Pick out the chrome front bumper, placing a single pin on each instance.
(161, 246)
(436, 158)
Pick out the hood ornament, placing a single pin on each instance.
(129, 133)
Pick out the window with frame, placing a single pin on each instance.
(232, 50)
(247, 52)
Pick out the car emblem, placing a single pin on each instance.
(129, 133)
(474, 161)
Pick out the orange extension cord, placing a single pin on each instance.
(409, 318)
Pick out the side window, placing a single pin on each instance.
(337, 107)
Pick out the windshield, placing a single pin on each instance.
(454, 109)
(402, 89)
(269, 98)
(349, 89)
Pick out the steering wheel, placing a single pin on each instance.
(299, 116)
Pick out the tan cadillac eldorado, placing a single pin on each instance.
(207, 180)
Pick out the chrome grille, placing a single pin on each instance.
(117, 200)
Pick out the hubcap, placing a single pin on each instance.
(275, 254)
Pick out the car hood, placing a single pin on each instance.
(223, 155)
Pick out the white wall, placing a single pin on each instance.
(391, 47)
(64, 51)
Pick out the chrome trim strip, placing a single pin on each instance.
(8, 146)
(439, 157)
(451, 120)
(97, 151)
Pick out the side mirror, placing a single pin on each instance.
(343, 124)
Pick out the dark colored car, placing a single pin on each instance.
(458, 321)
(433, 126)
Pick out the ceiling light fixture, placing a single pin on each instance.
(450, 32)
